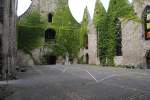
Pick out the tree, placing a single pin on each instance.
(67, 42)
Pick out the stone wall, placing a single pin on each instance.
(92, 45)
(44, 7)
(49, 6)
(134, 45)
(8, 33)
(24, 59)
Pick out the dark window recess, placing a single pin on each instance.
(1, 11)
(148, 59)
(1, 57)
(50, 16)
(86, 42)
(50, 35)
(10, 9)
(118, 38)
(146, 16)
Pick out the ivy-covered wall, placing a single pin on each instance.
(117, 9)
(30, 31)
(70, 35)
(32, 26)
(84, 29)
(101, 26)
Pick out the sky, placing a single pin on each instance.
(23, 5)
(76, 7)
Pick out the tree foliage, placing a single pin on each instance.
(30, 32)
(67, 40)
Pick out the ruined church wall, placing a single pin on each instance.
(92, 45)
(134, 45)
(8, 32)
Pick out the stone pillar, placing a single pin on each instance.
(92, 45)
(9, 37)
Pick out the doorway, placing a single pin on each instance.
(148, 59)
(51, 60)
(87, 58)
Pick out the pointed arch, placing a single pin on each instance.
(1, 10)
(148, 59)
(146, 16)
(50, 17)
(1, 57)
(86, 41)
(118, 37)
(50, 35)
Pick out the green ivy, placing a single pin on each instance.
(100, 23)
(83, 29)
(117, 9)
(29, 38)
(30, 32)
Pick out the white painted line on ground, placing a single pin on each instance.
(108, 77)
(65, 70)
(92, 76)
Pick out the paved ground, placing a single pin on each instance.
(81, 82)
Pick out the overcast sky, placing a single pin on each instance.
(76, 7)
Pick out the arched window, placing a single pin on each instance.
(1, 57)
(50, 35)
(50, 16)
(147, 22)
(148, 59)
(118, 37)
(86, 41)
(1, 10)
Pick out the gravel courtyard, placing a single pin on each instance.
(80, 82)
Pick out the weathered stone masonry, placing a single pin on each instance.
(134, 45)
(8, 15)
(47, 7)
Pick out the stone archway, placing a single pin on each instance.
(146, 16)
(49, 59)
(148, 59)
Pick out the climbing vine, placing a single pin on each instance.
(30, 32)
(100, 23)
(83, 29)
(117, 9)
